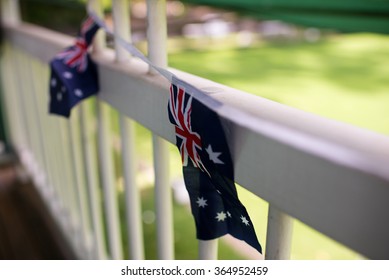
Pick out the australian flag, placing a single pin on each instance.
(208, 170)
(73, 73)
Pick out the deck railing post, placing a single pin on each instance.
(106, 160)
(208, 249)
(279, 234)
(80, 182)
(121, 19)
(62, 160)
(157, 32)
(35, 163)
(46, 181)
(56, 175)
(90, 161)
(19, 135)
(90, 157)
(10, 11)
(98, 43)
(108, 180)
(121, 24)
(157, 53)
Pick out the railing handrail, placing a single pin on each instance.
(271, 114)
(310, 167)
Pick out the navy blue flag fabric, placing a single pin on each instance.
(208, 170)
(73, 73)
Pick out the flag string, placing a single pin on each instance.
(172, 78)
(132, 49)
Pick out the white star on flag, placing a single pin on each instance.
(213, 156)
(244, 220)
(68, 75)
(78, 92)
(201, 202)
(220, 217)
(229, 214)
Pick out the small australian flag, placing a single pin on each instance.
(73, 73)
(208, 170)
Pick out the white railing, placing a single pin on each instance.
(332, 176)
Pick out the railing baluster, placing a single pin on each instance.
(132, 197)
(17, 125)
(29, 124)
(99, 39)
(279, 234)
(64, 165)
(13, 118)
(10, 11)
(90, 157)
(208, 249)
(22, 140)
(56, 179)
(106, 161)
(163, 199)
(121, 23)
(90, 160)
(34, 149)
(74, 187)
(108, 181)
(157, 32)
(59, 160)
(80, 181)
(46, 169)
(127, 131)
(157, 52)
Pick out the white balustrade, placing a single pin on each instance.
(134, 225)
(157, 53)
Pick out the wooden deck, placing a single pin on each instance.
(27, 230)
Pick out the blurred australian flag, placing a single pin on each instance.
(73, 73)
(208, 170)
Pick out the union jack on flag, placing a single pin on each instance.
(87, 26)
(88, 30)
(208, 170)
(76, 56)
(180, 110)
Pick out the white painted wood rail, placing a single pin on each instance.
(121, 16)
(157, 53)
(332, 176)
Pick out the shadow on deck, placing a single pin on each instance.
(27, 230)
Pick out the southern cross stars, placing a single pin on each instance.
(221, 216)
(67, 75)
(213, 156)
(244, 220)
(201, 202)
